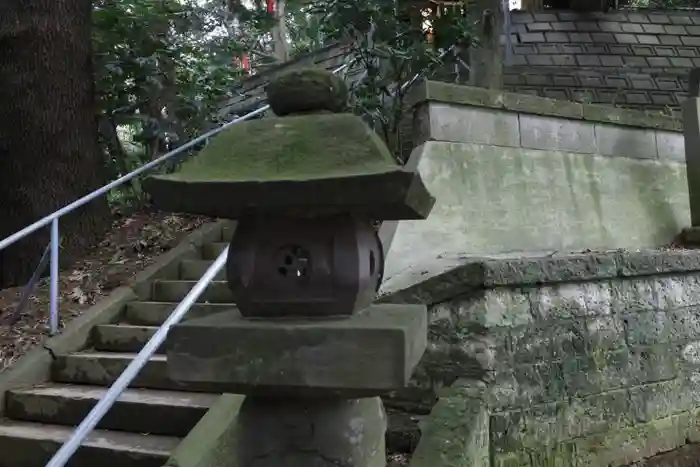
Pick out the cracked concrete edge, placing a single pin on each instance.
(35, 367)
(212, 441)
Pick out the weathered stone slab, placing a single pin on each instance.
(633, 289)
(557, 134)
(654, 401)
(525, 385)
(656, 327)
(670, 145)
(678, 291)
(469, 125)
(616, 447)
(457, 431)
(632, 295)
(475, 273)
(311, 432)
(603, 371)
(563, 339)
(613, 140)
(302, 357)
(628, 445)
(553, 423)
(565, 301)
(646, 262)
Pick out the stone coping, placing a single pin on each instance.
(457, 431)
(435, 91)
(479, 273)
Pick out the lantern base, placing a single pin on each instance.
(370, 353)
(310, 433)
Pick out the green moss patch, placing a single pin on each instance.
(291, 148)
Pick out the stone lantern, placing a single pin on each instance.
(306, 345)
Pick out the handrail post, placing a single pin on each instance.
(29, 288)
(53, 313)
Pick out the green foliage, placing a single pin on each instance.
(162, 68)
(390, 46)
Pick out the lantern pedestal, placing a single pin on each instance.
(312, 432)
(370, 353)
(309, 383)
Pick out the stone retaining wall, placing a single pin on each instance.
(589, 360)
(516, 174)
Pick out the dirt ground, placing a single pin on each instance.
(398, 460)
(132, 244)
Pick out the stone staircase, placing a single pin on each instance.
(149, 420)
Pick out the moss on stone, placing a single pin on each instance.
(307, 90)
(291, 148)
(456, 433)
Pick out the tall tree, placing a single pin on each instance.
(49, 153)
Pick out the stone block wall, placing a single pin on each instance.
(520, 174)
(587, 360)
(636, 59)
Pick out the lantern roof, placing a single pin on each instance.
(311, 162)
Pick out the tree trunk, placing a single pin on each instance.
(279, 33)
(49, 153)
(486, 58)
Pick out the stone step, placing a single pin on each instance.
(155, 313)
(122, 337)
(175, 291)
(25, 444)
(194, 269)
(227, 233)
(169, 413)
(103, 368)
(211, 251)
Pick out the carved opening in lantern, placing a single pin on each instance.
(295, 263)
(304, 268)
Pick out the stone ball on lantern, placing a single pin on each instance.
(307, 90)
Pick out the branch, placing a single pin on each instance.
(266, 55)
